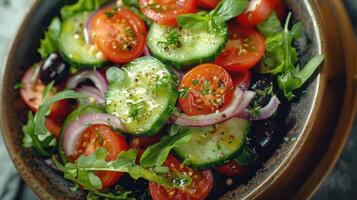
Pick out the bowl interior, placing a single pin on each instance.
(49, 184)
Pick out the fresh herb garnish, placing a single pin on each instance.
(173, 39)
(206, 88)
(136, 108)
(271, 26)
(82, 172)
(82, 5)
(195, 82)
(155, 155)
(255, 109)
(183, 92)
(215, 20)
(110, 14)
(281, 57)
(36, 134)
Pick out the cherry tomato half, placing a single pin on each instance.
(205, 89)
(97, 136)
(244, 50)
(31, 93)
(232, 169)
(211, 4)
(165, 12)
(257, 12)
(120, 35)
(53, 126)
(202, 182)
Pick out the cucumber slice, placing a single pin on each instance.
(185, 48)
(142, 95)
(73, 46)
(214, 145)
(75, 115)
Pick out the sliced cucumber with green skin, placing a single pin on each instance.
(75, 115)
(142, 95)
(214, 145)
(73, 46)
(185, 48)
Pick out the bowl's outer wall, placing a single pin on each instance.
(49, 184)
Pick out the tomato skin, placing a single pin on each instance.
(165, 12)
(53, 126)
(258, 14)
(31, 94)
(197, 101)
(244, 50)
(111, 141)
(211, 4)
(232, 169)
(122, 37)
(241, 79)
(202, 182)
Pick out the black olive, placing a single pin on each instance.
(53, 68)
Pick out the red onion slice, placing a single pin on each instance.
(268, 110)
(92, 92)
(95, 76)
(146, 51)
(239, 103)
(74, 131)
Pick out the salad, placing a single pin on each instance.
(163, 99)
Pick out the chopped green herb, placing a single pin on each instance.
(206, 87)
(183, 92)
(18, 85)
(173, 39)
(195, 82)
(255, 109)
(136, 108)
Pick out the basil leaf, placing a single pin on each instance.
(271, 26)
(49, 42)
(227, 9)
(215, 20)
(156, 155)
(82, 5)
(82, 172)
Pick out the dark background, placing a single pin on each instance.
(340, 184)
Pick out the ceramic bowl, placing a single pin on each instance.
(317, 124)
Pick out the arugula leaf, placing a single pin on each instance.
(82, 5)
(214, 21)
(281, 57)
(36, 134)
(271, 26)
(82, 171)
(49, 42)
(155, 155)
(109, 195)
(133, 5)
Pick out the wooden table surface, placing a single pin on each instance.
(340, 184)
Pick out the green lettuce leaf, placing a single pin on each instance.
(271, 26)
(281, 58)
(82, 5)
(49, 42)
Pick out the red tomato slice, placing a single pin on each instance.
(202, 182)
(31, 93)
(241, 79)
(257, 12)
(97, 136)
(120, 35)
(211, 4)
(232, 169)
(165, 12)
(244, 50)
(53, 126)
(209, 88)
